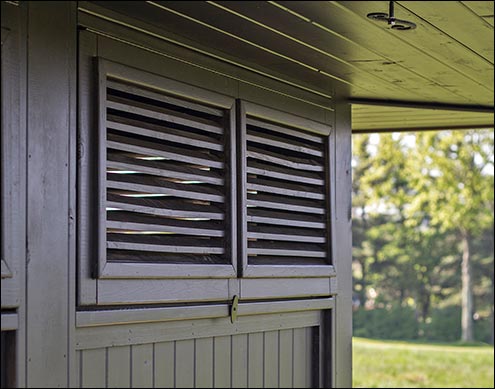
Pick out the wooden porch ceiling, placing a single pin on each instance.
(439, 75)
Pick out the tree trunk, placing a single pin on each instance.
(467, 292)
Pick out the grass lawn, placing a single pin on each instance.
(389, 364)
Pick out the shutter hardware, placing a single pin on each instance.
(234, 308)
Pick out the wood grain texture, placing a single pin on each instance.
(13, 156)
(51, 113)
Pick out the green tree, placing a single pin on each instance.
(423, 207)
(453, 181)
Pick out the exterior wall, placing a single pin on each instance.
(272, 359)
(290, 331)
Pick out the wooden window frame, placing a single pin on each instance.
(162, 270)
(248, 270)
(115, 286)
(13, 158)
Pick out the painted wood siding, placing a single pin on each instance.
(270, 359)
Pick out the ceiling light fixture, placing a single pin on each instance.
(396, 24)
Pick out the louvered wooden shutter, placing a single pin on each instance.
(164, 180)
(286, 199)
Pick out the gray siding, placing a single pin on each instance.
(268, 359)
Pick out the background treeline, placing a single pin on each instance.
(423, 235)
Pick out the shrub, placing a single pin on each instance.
(382, 323)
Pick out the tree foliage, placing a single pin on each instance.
(423, 222)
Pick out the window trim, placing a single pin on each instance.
(189, 288)
(13, 158)
(245, 109)
(105, 269)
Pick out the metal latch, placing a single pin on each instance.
(233, 309)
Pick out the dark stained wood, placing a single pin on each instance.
(203, 35)
(231, 174)
(285, 189)
(125, 263)
(149, 184)
(154, 149)
(168, 116)
(245, 34)
(87, 188)
(285, 252)
(162, 133)
(155, 95)
(292, 266)
(292, 162)
(286, 237)
(343, 247)
(166, 207)
(283, 173)
(51, 127)
(168, 244)
(241, 162)
(267, 230)
(253, 122)
(13, 159)
(284, 219)
(279, 142)
(286, 203)
(163, 169)
(129, 221)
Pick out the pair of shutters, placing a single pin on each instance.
(185, 182)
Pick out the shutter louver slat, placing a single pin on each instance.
(165, 186)
(136, 109)
(160, 132)
(286, 195)
(158, 150)
(162, 169)
(281, 173)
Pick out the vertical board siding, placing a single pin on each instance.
(93, 366)
(286, 352)
(184, 363)
(142, 366)
(204, 362)
(301, 375)
(222, 348)
(119, 367)
(255, 360)
(269, 359)
(164, 364)
(77, 376)
(239, 361)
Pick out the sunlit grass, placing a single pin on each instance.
(388, 364)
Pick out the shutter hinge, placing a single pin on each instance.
(234, 308)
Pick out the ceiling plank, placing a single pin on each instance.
(429, 52)
(220, 45)
(368, 118)
(273, 42)
(361, 62)
(451, 18)
(349, 19)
